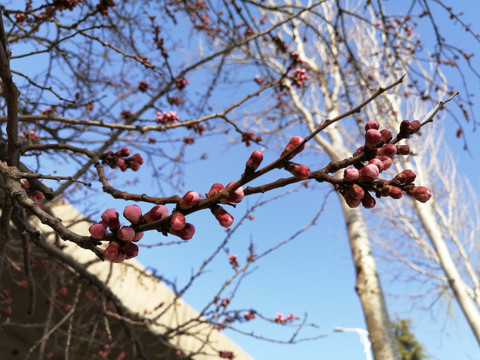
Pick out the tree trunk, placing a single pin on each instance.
(458, 286)
(368, 288)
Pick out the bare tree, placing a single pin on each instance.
(107, 81)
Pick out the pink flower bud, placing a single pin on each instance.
(133, 214)
(186, 233)
(355, 192)
(138, 236)
(120, 257)
(215, 189)
(352, 202)
(134, 165)
(372, 138)
(177, 222)
(386, 136)
(368, 173)
(403, 149)
(120, 162)
(414, 126)
(301, 172)
(138, 158)
(191, 198)
(223, 217)
(389, 150)
(97, 231)
(371, 125)
(112, 250)
(406, 176)
(110, 218)
(158, 212)
(387, 162)
(420, 193)
(124, 152)
(368, 201)
(236, 196)
(404, 126)
(126, 233)
(254, 161)
(393, 191)
(378, 163)
(350, 174)
(294, 141)
(131, 250)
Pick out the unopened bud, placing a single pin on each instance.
(393, 191)
(372, 138)
(371, 125)
(389, 150)
(235, 196)
(177, 222)
(350, 174)
(254, 161)
(368, 173)
(368, 201)
(133, 214)
(131, 250)
(191, 198)
(403, 149)
(158, 212)
(355, 192)
(294, 142)
(386, 136)
(223, 217)
(97, 231)
(110, 218)
(215, 189)
(126, 233)
(378, 163)
(387, 162)
(186, 233)
(406, 176)
(419, 193)
(112, 250)
(138, 236)
(301, 172)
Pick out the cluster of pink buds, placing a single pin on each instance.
(50, 111)
(31, 136)
(232, 259)
(259, 80)
(122, 159)
(301, 172)
(362, 178)
(197, 128)
(181, 83)
(250, 315)
(121, 245)
(122, 238)
(299, 77)
(143, 86)
(226, 354)
(103, 6)
(36, 195)
(170, 117)
(248, 137)
(281, 319)
(235, 196)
